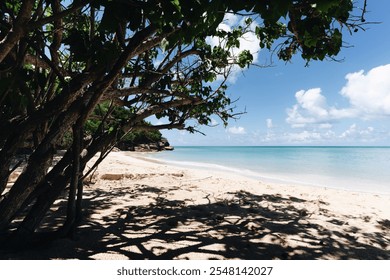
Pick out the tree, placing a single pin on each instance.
(60, 59)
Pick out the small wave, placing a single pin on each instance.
(208, 166)
(354, 169)
(284, 179)
(266, 178)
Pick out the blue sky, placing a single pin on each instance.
(327, 103)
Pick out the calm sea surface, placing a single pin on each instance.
(353, 168)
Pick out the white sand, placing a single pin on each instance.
(171, 212)
(137, 208)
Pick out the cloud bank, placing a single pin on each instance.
(368, 96)
(236, 130)
(369, 93)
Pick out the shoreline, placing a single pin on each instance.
(273, 179)
(138, 209)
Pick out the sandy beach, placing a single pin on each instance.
(136, 208)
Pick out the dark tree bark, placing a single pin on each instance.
(71, 214)
(18, 29)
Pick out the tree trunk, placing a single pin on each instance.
(32, 176)
(24, 185)
(69, 226)
(42, 205)
(56, 182)
(79, 202)
(6, 155)
(18, 132)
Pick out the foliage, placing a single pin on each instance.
(142, 137)
(60, 59)
(107, 118)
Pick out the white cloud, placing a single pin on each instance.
(311, 108)
(304, 136)
(344, 113)
(248, 41)
(236, 130)
(313, 102)
(325, 125)
(369, 93)
(214, 122)
(269, 123)
(350, 131)
(231, 18)
(368, 96)
(356, 133)
(352, 134)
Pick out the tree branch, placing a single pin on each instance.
(19, 29)
(76, 6)
(159, 127)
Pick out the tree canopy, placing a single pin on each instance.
(60, 59)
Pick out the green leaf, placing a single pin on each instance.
(164, 44)
(325, 5)
(245, 58)
(176, 4)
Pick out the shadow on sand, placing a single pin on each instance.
(246, 226)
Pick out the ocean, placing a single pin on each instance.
(364, 169)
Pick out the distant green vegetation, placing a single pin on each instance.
(106, 117)
(142, 136)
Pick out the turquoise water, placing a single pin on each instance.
(353, 168)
